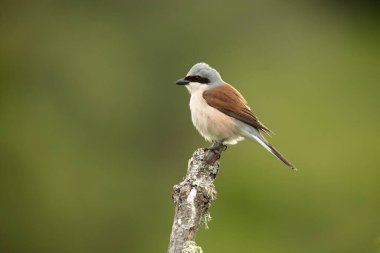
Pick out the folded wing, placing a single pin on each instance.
(228, 100)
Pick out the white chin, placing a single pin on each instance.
(193, 87)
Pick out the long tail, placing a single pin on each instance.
(255, 135)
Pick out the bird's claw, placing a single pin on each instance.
(214, 152)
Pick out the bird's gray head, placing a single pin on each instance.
(201, 74)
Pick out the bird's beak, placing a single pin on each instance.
(182, 82)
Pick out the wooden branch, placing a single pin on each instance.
(192, 198)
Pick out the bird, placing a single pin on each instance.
(220, 113)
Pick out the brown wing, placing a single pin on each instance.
(228, 100)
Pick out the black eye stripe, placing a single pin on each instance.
(197, 79)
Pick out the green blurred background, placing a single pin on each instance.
(94, 132)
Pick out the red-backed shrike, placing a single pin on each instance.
(220, 113)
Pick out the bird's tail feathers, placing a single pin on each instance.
(261, 140)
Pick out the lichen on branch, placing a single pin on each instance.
(192, 198)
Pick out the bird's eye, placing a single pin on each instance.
(197, 79)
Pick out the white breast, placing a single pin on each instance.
(211, 123)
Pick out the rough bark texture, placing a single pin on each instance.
(192, 198)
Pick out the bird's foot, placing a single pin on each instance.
(214, 152)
